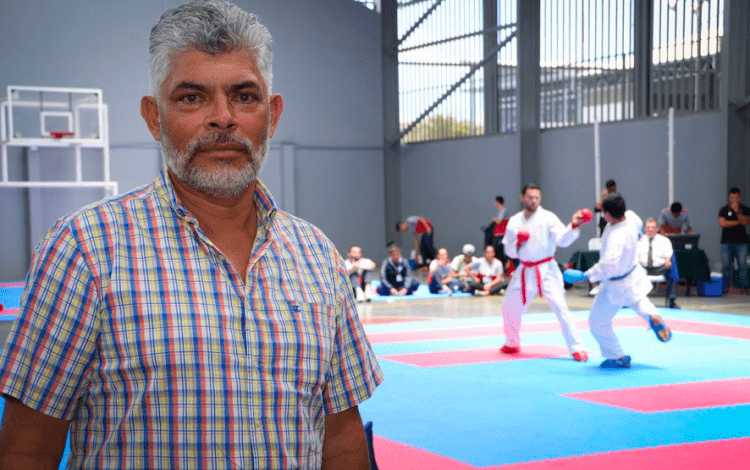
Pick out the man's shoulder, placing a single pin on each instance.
(300, 230)
(112, 211)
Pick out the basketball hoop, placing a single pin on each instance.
(60, 134)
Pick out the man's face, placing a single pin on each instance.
(214, 119)
(355, 253)
(734, 199)
(651, 229)
(395, 255)
(531, 199)
(489, 253)
(442, 255)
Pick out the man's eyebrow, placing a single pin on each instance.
(189, 86)
(245, 85)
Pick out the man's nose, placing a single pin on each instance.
(222, 114)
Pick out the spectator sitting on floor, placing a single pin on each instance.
(395, 274)
(461, 264)
(360, 273)
(443, 279)
(654, 253)
(673, 218)
(487, 275)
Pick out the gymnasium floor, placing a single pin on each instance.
(451, 401)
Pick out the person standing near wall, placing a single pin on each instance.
(422, 233)
(610, 189)
(733, 220)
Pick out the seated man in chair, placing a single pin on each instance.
(655, 254)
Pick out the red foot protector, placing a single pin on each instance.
(673, 397)
(724, 454)
(476, 356)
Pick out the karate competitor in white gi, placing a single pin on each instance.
(532, 236)
(623, 280)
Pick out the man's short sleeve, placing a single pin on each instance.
(53, 339)
(354, 372)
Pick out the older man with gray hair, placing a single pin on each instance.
(655, 255)
(191, 323)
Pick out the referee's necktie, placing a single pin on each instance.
(650, 261)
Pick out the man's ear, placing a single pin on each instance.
(276, 108)
(150, 113)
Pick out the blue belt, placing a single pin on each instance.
(617, 278)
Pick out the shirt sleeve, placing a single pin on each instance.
(609, 261)
(564, 235)
(383, 277)
(47, 357)
(509, 240)
(354, 372)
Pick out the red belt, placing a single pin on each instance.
(535, 265)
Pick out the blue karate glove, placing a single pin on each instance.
(572, 276)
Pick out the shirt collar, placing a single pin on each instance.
(262, 197)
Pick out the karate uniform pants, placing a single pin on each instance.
(600, 322)
(554, 294)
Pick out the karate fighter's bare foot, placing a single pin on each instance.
(510, 350)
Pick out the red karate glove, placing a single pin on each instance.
(522, 237)
(586, 217)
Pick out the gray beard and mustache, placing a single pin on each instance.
(221, 180)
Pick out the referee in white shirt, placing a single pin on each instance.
(655, 254)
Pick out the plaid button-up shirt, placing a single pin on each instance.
(136, 327)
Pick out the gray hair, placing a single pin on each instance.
(651, 219)
(211, 26)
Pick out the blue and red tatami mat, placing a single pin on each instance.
(452, 401)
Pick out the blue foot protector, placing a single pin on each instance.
(621, 363)
(663, 333)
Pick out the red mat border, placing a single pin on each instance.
(726, 454)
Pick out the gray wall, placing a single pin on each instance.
(454, 183)
(325, 165)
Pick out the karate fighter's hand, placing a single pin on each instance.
(571, 276)
(581, 217)
(522, 237)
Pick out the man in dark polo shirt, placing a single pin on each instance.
(733, 218)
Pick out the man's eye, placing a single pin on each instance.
(245, 97)
(190, 98)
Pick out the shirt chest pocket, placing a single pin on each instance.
(293, 342)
